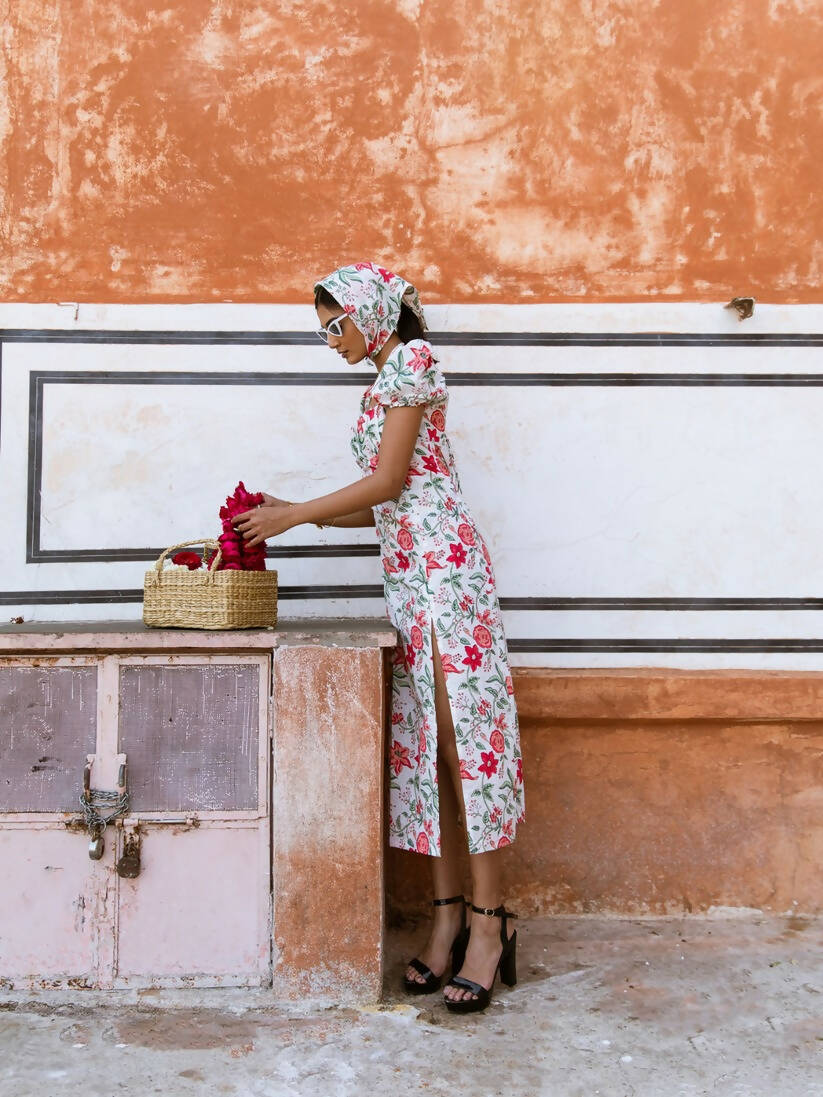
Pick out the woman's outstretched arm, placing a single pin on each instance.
(357, 518)
(400, 432)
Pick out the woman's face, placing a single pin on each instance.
(351, 345)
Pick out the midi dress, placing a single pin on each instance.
(438, 575)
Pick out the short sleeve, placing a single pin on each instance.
(409, 378)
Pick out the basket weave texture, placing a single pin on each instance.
(209, 599)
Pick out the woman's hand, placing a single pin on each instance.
(262, 522)
(273, 501)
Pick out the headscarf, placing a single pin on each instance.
(372, 296)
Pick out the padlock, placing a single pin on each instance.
(96, 846)
(128, 864)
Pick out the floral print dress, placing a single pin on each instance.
(438, 574)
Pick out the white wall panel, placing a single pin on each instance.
(613, 487)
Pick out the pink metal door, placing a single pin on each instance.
(195, 732)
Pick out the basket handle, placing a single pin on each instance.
(206, 542)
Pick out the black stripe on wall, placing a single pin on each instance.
(443, 338)
(375, 590)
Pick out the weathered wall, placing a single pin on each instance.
(660, 792)
(496, 150)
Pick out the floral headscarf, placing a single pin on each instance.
(372, 296)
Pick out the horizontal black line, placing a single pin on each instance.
(470, 379)
(443, 338)
(135, 594)
(679, 645)
(79, 556)
(375, 590)
(651, 603)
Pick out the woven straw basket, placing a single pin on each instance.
(208, 599)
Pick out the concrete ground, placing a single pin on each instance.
(677, 1007)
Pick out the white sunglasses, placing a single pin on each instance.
(334, 327)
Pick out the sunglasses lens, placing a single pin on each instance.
(334, 327)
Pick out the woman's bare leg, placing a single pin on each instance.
(446, 869)
(484, 948)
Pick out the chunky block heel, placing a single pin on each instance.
(431, 982)
(506, 965)
(508, 962)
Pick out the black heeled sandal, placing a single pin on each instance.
(458, 953)
(506, 965)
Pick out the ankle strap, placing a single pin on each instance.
(445, 902)
(493, 912)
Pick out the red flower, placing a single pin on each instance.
(422, 842)
(448, 665)
(504, 841)
(416, 638)
(482, 636)
(433, 434)
(466, 533)
(457, 555)
(191, 560)
(399, 757)
(405, 539)
(449, 504)
(489, 764)
(431, 563)
(509, 685)
(464, 772)
(473, 657)
(397, 718)
(421, 742)
(409, 656)
(421, 358)
(402, 561)
(430, 463)
(497, 741)
(438, 419)
(520, 770)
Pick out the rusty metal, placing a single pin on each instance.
(744, 306)
(128, 864)
(92, 799)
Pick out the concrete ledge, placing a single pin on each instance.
(87, 636)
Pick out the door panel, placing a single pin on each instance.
(53, 917)
(48, 723)
(191, 735)
(195, 908)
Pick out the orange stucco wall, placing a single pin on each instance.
(659, 791)
(497, 150)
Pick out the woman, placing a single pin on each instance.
(455, 747)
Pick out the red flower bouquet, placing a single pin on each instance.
(237, 592)
(237, 555)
